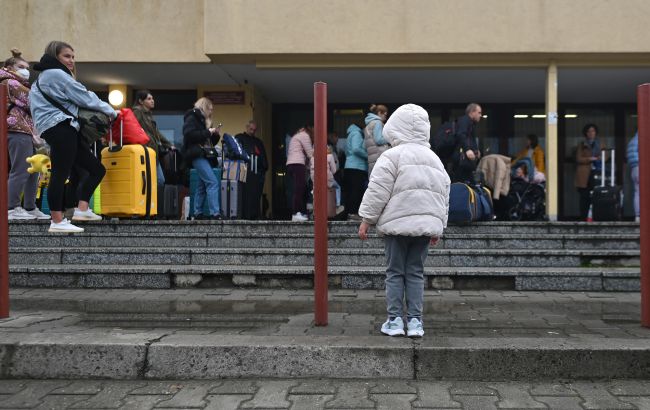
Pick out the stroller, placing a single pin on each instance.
(526, 200)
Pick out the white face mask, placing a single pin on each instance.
(23, 72)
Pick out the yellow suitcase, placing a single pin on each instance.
(130, 187)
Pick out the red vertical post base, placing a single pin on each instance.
(643, 101)
(320, 204)
(4, 223)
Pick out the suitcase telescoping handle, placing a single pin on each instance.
(110, 137)
(602, 168)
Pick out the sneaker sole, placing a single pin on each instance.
(54, 230)
(393, 332)
(415, 335)
(85, 218)
(21, 218)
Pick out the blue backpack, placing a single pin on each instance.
(232, 149)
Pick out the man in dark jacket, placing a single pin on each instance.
(467, 154)
(257, 167)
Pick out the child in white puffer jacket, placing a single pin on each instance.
(408, 201)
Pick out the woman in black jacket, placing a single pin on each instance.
(197, 135)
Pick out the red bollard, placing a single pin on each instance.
(643, 101)
(4, 223)
(320, 203)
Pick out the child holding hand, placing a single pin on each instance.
(408, 201)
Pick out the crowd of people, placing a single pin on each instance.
(34, 123)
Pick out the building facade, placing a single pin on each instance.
(537, 66)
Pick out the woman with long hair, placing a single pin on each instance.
(197, 134)
(61, 131)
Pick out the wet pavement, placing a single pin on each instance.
(290, 313)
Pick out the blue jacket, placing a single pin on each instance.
(356, 156)
(377, 131)
(57, 82)
(633, 151)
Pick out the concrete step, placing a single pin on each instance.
(231, 333)
(297, 277)
(305, 240)
(277, 227)
(337, 257)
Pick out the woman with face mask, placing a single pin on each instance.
(14, 75)
(69, 150)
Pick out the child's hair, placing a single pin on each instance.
(15, 57)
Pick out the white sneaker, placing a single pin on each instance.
(87, 215)
(64, 226)
(299, 217)
(38, 214)
(340, 209)
(637, 219)
(19, 213)
(414, 328)
(393, 327)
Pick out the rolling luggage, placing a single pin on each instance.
(194, 181)
(331, 202)
(129, 188)
(606, 200)
(232, 199)
(462, 203)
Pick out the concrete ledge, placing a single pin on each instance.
(499, 359)
(240, 356)
(143, 356)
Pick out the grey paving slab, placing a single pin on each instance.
(434, 395)
(226, 401)
(393, 401)
(477, 402)
(191, 394)
(352, 395)
(59, 401)
(112, 396)
(271, 395)
(561, 402)
(235, 387)
(641, 403)
(139, 402)
(596, 396)
(515, 396)
(322, 387)
(31, 395)
(309, 402)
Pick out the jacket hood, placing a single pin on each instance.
(353, 128)
(371, 117)
(10, 75)
(408, 124)
(48, 62)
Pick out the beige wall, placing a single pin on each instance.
(286, 29)
(106, 30)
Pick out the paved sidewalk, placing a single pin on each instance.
(290, 313)
(240, 333)
(317, 394)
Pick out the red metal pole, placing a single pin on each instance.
(320, 203)
(643, 98)
(4, 223)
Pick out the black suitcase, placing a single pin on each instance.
(169, 203)
(606, 200)
(232, 204)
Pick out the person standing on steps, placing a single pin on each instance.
(373, 138)
(408, 201)
(300, 152)
(257, 167)
(61, 131)
(21, 141)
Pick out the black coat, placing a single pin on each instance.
(196, 135)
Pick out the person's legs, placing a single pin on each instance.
(417, 252)
(297, 173)
(209, 185)
(20, 181)
(635, 180)
(62, 155)
(85, 160)
(200, 192)
(355, 182)
(395, 248)
(585, 200)
(337, 187)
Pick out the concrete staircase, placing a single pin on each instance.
(279, 254)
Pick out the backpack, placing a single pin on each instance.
(443, 141)
(232, 149)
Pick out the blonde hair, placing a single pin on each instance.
(54, 48)
(204, 104)
(377, 108)
(16, 56)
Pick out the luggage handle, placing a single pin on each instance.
(110, 138)
(602, 167)
(144, 183)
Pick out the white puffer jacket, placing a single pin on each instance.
(408, 192)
